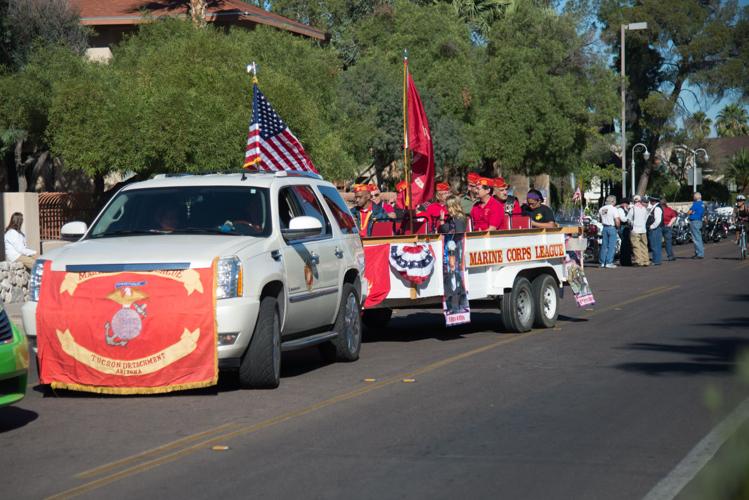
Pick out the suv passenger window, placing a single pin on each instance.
(340, 211)
(311, 206)
(288, 207)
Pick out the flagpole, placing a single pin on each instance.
(406, 166)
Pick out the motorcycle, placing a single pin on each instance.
(711, 228)
(592, 235)
(680, 232)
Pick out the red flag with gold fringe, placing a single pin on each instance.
(128, 332)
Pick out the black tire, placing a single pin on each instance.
(377, 318)
(261, 365)
(347, 345)
(545, 301)
(518, 308)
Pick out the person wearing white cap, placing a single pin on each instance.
(741, 215)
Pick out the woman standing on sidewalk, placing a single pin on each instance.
(16, 249)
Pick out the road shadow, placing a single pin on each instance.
(12, 417)
(431, 325)
(738, 297)
(717, 355)
(293, 364)
(571, 319)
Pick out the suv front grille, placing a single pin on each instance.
(6, 332)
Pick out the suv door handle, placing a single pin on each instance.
(338, 252)
(314, 258)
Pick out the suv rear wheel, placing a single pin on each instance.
(261, 364)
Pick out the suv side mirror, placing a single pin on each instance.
(73, 231)
(302, 227)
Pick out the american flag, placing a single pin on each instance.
(577, 197)
(270, 144)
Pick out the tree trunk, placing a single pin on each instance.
(197, 12)
(11, 174)
(642, 186)
(32, 174)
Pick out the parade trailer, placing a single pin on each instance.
(521, 271)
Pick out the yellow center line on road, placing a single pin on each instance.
(249, 429)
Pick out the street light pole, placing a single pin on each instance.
(645, 154)
(624, 118)
(624, 27)
(693, 154)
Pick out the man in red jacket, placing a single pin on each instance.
(669, 218)
(486, 214)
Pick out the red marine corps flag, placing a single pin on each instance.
(419, 142)
(270, 144)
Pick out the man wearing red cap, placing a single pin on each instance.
(365, 212)
(502, 196)
(377, 199)
(438, 209)
(486, 213)
(469, 199)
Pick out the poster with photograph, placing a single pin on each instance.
(576, 278)
(455, 300)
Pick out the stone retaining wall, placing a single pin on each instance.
(14, 282)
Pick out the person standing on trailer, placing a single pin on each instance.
(541, 215)
(470, 198)
(437, 210)
(365, 212)
(486, 213)
(377, 199)
(510, 205)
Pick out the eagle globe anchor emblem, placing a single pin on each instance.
(126, 323)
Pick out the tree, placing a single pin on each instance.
(699, 125)
(733, 121)
(688, 44)
(544, 93)
(26, 23)
(738, 170)
(177, 99)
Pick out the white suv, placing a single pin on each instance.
(271, 233)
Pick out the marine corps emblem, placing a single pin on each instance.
(126, 323)
(309, 275)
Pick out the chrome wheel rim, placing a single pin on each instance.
(523, 308)
(550, 302)
(351, 330)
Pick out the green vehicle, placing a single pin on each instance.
(14, 361)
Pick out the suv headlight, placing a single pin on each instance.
(229, 278)
(35, 281)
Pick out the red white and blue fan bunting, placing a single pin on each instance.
(414, 262)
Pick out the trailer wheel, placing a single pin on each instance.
(546, 301)
(518, 307)
(377, 318)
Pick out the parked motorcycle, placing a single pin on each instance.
(680, 232)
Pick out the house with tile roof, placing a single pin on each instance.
(111, 20)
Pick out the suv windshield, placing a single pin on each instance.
(237, 211)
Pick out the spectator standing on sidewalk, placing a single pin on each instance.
(609, 216)
(655, 229)
(16, 249)
(625, 228)
(696, 211)
(669, 218)
(639, 217)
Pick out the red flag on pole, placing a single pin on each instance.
(420, 144)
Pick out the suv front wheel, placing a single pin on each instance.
(261, 364)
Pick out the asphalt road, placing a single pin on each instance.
(603, 406)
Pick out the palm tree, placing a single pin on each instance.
(478, 14)
(738, 169)
(699, 124)
(732, 121)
